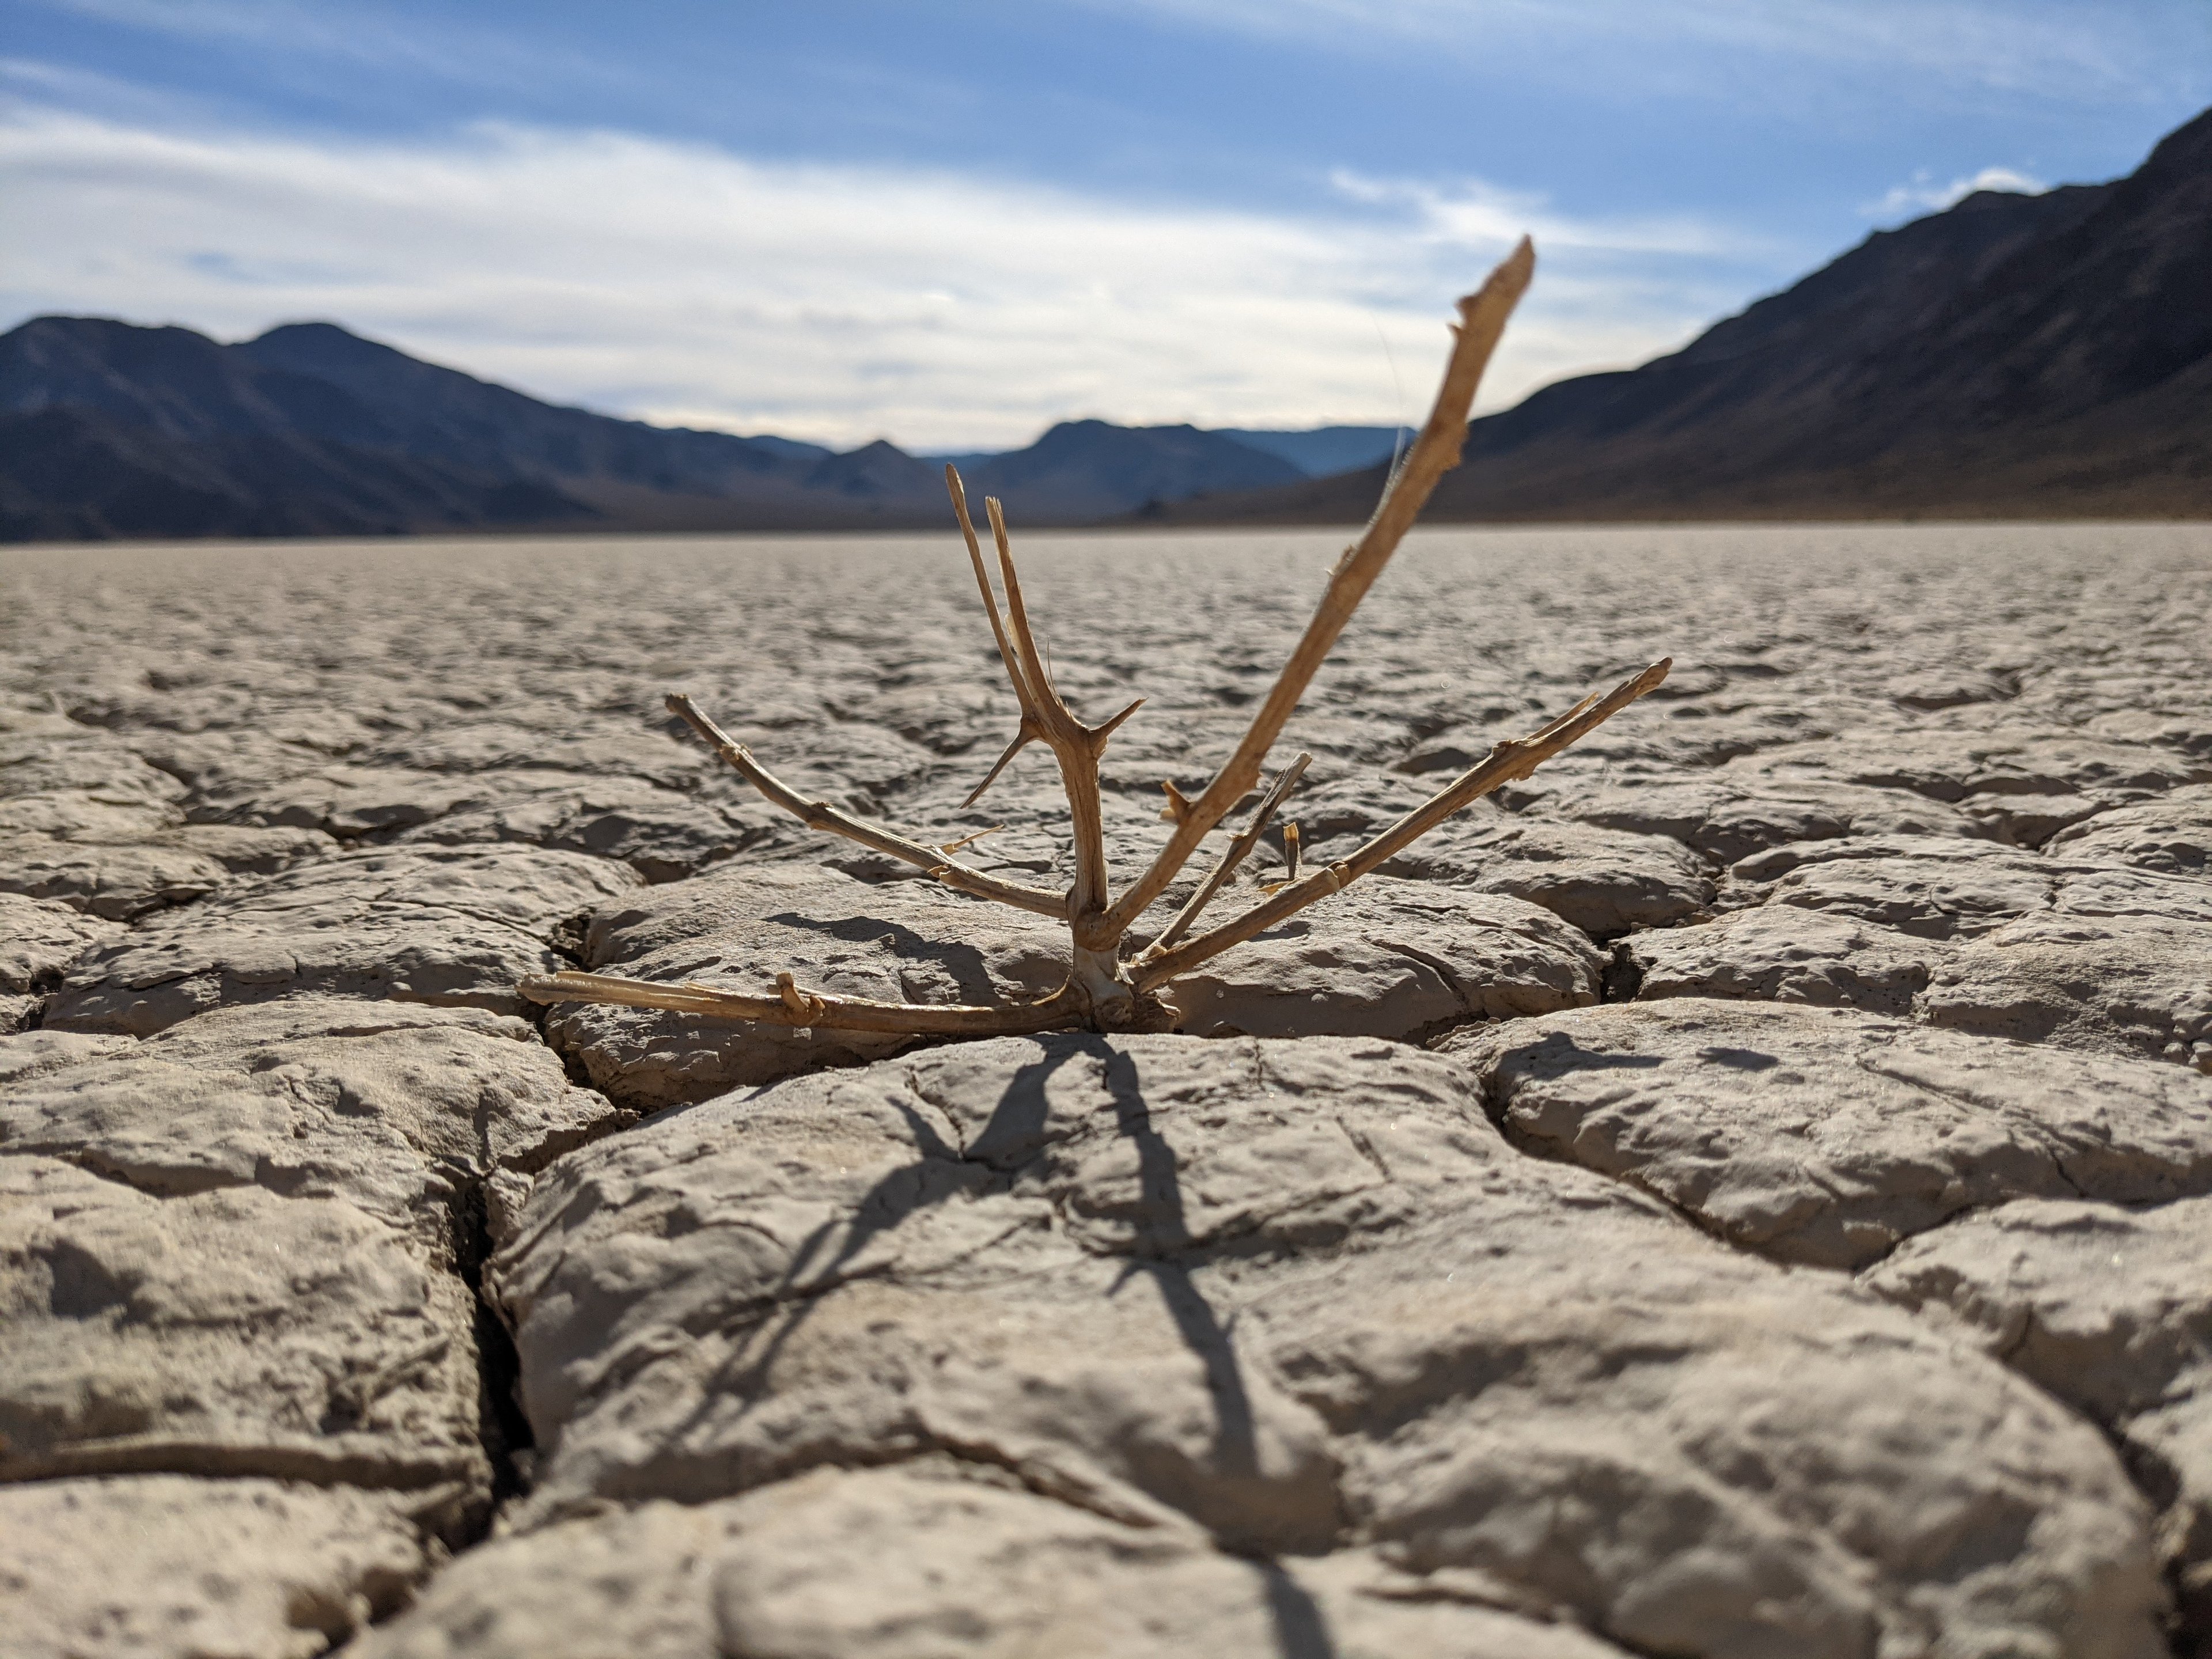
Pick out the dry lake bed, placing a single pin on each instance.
(1745, 1191)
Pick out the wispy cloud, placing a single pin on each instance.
(683, 283)
(1472, 212)
(446, 48)
(1921, 194)
(2046, 47)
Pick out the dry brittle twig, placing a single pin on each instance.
(1102, 988)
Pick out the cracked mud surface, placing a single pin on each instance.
(1744, 1192)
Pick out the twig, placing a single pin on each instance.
(1516, 757)
(799, 1009)
(1096, 971)
(1031, 726)
(1435, 452)
(1239, 850)
(820, 815)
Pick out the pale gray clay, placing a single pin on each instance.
(2172, 834)
(1826, 1136)
(454, 926)
(1302, 1296)
(2125, 984)
(933, 1558)
(1875, 939)
(40, 939)
(1392, 959)
(1781, 953)
(228, 1332)
(401, 1109)
(166, 1567)
(2109, 1310)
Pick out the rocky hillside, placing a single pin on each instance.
(2014, 356)
(1746, 1192)
(108, 429)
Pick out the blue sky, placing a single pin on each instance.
(952, 224)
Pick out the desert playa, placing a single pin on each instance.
(1743, 1190)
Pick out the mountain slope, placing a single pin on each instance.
(111, 429)
(1319, 451)
(2018, 355)
(423, 409)
(1093, 469)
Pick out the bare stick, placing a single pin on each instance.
(1059, 725)
(820, 815)
(959, 492)
(798, 1009)
(1095, 971)
(1435, 452)
(1030, 728)
(1516, 757)
(1239, 850)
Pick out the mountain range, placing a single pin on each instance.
(2028, 356)
(111, 429)
(2024, 355)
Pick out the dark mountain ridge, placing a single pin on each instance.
(2012, 356)
(111, 429)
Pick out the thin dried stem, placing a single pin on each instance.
(1436, 452)
(1031, 727)
(1045, 705)
(1516, 757)
(820, 815)
(1238, 851)
(959, 491)
(792, 1007)
(1095, 971)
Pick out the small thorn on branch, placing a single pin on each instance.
(808, 1007)
(1178, 803)
(1100, 733)
(1290, 858)
(1022, 738)
(969, 840)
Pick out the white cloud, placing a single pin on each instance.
(2053, 48)
(683, 283)
(1924, 195)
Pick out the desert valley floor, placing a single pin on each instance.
(1745, 1191)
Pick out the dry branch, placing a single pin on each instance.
(802, 1009)
(1435, 452)
(821, 815)
(1102, 989)
(1516, 757)
(1239, 850)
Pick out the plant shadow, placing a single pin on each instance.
(1017, 1129)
